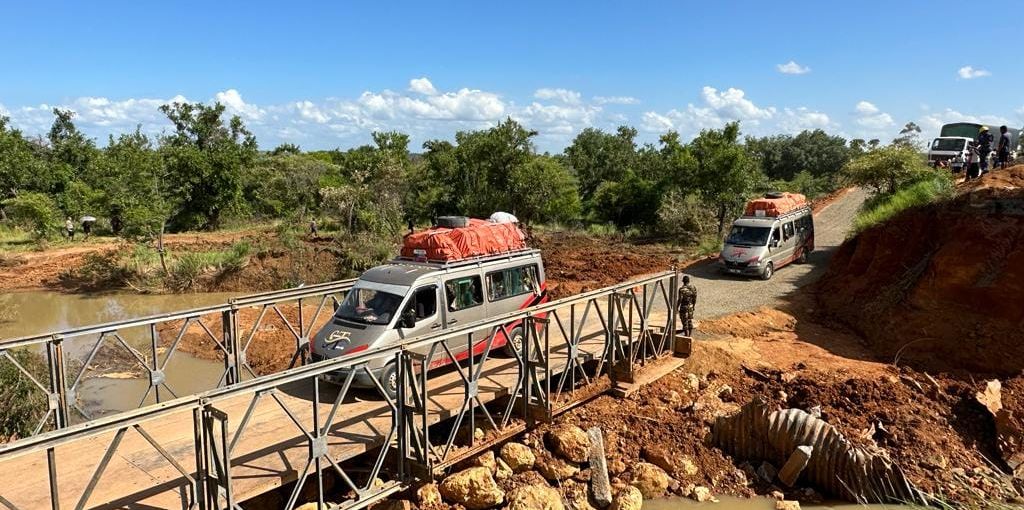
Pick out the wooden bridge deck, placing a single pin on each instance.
(271, 452)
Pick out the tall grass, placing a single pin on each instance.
(885, 206)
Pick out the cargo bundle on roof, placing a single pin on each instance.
(458, 238)
(775, 204)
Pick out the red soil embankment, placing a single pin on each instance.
(940, 287)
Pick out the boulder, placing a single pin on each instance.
(616, 466)
(661, 457)
(702, 495)
(485, 460)
(570, 442)
(629, 498)
(535, 497)
(429, 496)
(502, 470)
(556, 469)
(518, 456)
(787, 505)
(687, 467)
(693, 382)
(473, 488)
(650, 479)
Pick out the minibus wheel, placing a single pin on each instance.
(389, 380)
(803, 257)
(769, 270)
(513, 348)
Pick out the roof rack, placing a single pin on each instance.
(798, 210)
(440, 264)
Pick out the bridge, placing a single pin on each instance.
(248, 435)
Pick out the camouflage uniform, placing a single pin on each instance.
(687, 302)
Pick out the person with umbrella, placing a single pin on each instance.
(87, 222)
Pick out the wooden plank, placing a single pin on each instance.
(271, 452)
(646, 375)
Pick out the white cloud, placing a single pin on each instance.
(616, 100)
(422, 86)
(970, 73)
(792, 67)
(562, 95)
(656, 122)
(868, 116)
(717, 108)
(234, 104)
(795, 120)
(309, 111)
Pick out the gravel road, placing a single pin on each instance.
(720, 294)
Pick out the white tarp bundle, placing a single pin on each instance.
(502, 217)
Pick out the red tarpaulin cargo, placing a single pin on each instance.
(775, 206)
(477, 239)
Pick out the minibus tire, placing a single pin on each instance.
(389, 380)
(803, 257)
(769, 270)
(510, 348)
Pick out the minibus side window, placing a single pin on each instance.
(424, 302)
(463, 293)
(787, 230)
(511, 282)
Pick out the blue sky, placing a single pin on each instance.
(325, 75)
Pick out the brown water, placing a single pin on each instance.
(120, 388)
(733, 503)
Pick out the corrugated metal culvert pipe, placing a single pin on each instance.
(835, 466)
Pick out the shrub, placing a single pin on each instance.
(22, 403)
(37, 212)
(362, 251)
(886, 169)
(685, 218)
(922, 192)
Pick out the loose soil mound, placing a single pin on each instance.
(575, 263)
(940, 286)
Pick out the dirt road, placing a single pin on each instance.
(720, 294)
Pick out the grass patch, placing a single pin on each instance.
(881, 208)
(709, 245)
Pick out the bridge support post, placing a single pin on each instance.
(536, 376)
(229, 321)
(58, 383)
(213, 458)
(414, 450)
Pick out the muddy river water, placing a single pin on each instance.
(39, 312)
(732, 503)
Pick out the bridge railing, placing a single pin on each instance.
(141, 359)
(440, 417)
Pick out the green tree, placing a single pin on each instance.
(886, 169)
(68, 145)
(543, 190)
(20, 168)
(596, 156)
(286, 148)
(204, 158)
(374, 184)
(725, 174)
(34, 211)
(910, 136)
(632, 201)
(131, 176)
(278, 185)
(784, 156)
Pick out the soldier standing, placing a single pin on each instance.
(687, 303)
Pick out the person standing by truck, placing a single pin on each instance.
(687, 304)
(1003, 149)
(985, 140)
